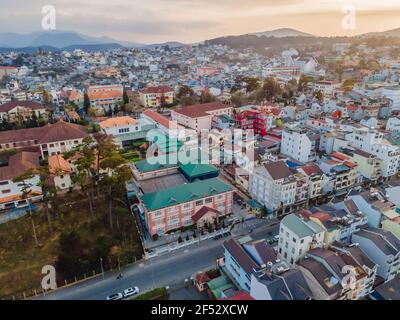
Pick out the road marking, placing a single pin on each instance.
(141, 265)
(186, 251)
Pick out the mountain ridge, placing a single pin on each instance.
(281, 33)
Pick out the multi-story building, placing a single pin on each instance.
(51, 139)
(392, 93)
(393, 125)
(300, 144)
(126, 130)
(297, 236)
(105, 97)
(154, 97)
(369, 267)
(21, 110)
(279, 282)
(368, 165)
(7, 70)
(186, 205)
(315, 180)
(242, 258)
(119, 125)
(382, 247)
(273, 185)
(12, 192)
(375, 206)
(199, 116)
(259, 121)
(349, 217)
(372, 141)
(326, 87)
(339, 177)
(301, 188)
(334, 275)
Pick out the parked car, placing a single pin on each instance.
(276, 238)
(131, 292)
(115, 296)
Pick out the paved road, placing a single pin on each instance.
(168, 269)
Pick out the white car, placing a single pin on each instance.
(115, 296)
(131, 292)
(276, 238)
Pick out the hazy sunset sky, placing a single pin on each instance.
(150, 21)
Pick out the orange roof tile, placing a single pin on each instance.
(58, 163)
(117, 122)
(158, 118)
(109, 94)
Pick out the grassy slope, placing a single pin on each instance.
(21, 261)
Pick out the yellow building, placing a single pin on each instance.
(152, 97)
(332, 232)
(368, 165)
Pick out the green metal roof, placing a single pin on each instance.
(254, 204)
(184, 193)
(219, 285)
(144, 166)
(194, 170)
(131, 136)
(169, 145)
(301, 227)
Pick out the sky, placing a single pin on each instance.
(189, 21)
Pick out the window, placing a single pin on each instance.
(3, 183)
(6, 191)
(208, 200)
(157, 214)
(199, 203)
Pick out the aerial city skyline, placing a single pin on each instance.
(211, 153)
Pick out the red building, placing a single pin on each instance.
(259, 121)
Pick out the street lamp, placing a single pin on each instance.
(102, 270)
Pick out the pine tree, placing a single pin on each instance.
(86, 102)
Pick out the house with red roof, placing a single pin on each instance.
(60, 172)
(51, 139)
(200, 116)
(21, 110)
(12, 193)
(154, 97)
(7, 70)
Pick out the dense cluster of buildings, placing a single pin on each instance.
(325, 161)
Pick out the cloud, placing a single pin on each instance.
(194, 20)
